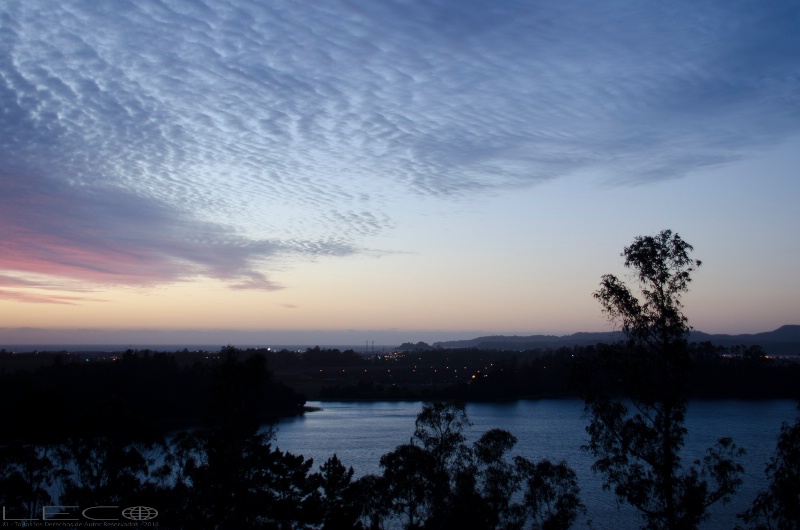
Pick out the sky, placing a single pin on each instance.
(248, 172)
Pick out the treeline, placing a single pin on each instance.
(147, 389)
(739, 372)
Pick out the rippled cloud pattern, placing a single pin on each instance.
(155, 141)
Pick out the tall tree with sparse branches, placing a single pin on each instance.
(637, 416)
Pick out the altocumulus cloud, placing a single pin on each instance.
(149, 141)
(110, 236)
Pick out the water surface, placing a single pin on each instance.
(359, 433)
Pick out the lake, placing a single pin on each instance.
(360, 432)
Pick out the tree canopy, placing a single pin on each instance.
(636, 441)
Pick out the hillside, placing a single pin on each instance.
(783, 341)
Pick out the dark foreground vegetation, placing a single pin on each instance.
(225, 474)
(149, 391)
(88, 456)
(100, 442)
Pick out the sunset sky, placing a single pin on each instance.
(250, 172)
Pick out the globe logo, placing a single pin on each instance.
(139, 513)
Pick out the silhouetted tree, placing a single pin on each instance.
(339, 503)
(370, 492)
(105, 470)
(638, 451)
(27, 472)
(497, 478)
(438, 481)
(411, 480)
(439, 428)
(551, 494)
(778, 507)
(109, 458)
(227, 474)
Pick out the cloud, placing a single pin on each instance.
(39, 290)
(43, 298)
(255, 280)
(151, 141)
(109, 236)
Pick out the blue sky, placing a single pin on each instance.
(419, 170)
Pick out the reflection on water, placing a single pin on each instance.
(359, 433)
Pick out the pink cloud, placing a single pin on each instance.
(44, 298)
(108, 236)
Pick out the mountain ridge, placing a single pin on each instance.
(784, 340)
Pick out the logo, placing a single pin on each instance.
(57, 514)
(139, 513)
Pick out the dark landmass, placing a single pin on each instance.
(169, 390)
(472, 374)
(783, 341)
(117, 415)
(54, 395)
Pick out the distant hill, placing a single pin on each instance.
(783, 341)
